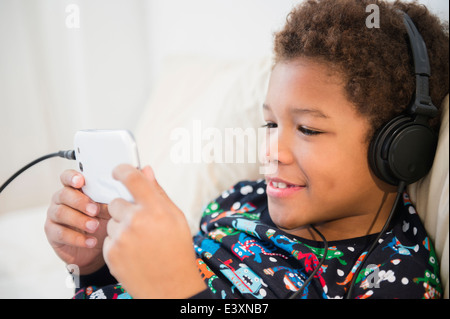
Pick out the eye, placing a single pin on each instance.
(270, 125)
(308, 132)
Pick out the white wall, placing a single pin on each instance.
(55, 80)
(225, 28)
(230, 28)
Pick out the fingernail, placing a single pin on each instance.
(92, 225)
(91, 209)
(76, 180)
(90, 242)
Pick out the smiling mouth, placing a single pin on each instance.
(282, 185)
(278, 188)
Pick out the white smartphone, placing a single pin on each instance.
(97, 153)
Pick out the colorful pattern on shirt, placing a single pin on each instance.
(242, 254)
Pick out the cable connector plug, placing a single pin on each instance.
(70, 154)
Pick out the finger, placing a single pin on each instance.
(77, 200)
(148, 172)
(169, 205)
(104, 212)
(119, 208)
(135, 181)
(67, 216)
(62, 235)
(72, 178)
(107, 244)
(113, 229)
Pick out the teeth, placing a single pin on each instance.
(279, 185)
(282, 185)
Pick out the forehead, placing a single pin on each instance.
(306, 88)
(305, 111)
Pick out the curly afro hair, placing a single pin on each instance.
(375, 63)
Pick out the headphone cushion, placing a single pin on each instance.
(402, 151)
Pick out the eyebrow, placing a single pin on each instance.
(300, 110)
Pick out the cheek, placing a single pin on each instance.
(320, 165)
(337, 164)
(337, 179)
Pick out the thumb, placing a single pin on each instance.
(149, 174)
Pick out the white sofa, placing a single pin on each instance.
(216, 93)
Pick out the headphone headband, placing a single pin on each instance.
(422, 104)
(419, 50)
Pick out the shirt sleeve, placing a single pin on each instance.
(101, 277)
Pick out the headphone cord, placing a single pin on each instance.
(400, 189)
(64, 154)
(322, 260)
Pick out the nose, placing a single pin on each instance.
(277, 149)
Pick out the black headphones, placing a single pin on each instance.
(403, 149)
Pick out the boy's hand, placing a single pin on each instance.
(75, 225)
(149, 247)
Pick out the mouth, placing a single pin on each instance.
(280, 188)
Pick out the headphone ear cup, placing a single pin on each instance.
(379, 148)
(402, 150)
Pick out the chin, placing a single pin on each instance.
(285, 218)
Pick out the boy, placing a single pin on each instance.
(306, 230)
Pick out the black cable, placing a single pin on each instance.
(322, 260)
(400, 189)
(64, 154)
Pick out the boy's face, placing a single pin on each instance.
(322, 151)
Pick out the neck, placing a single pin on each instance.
(369, 222)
